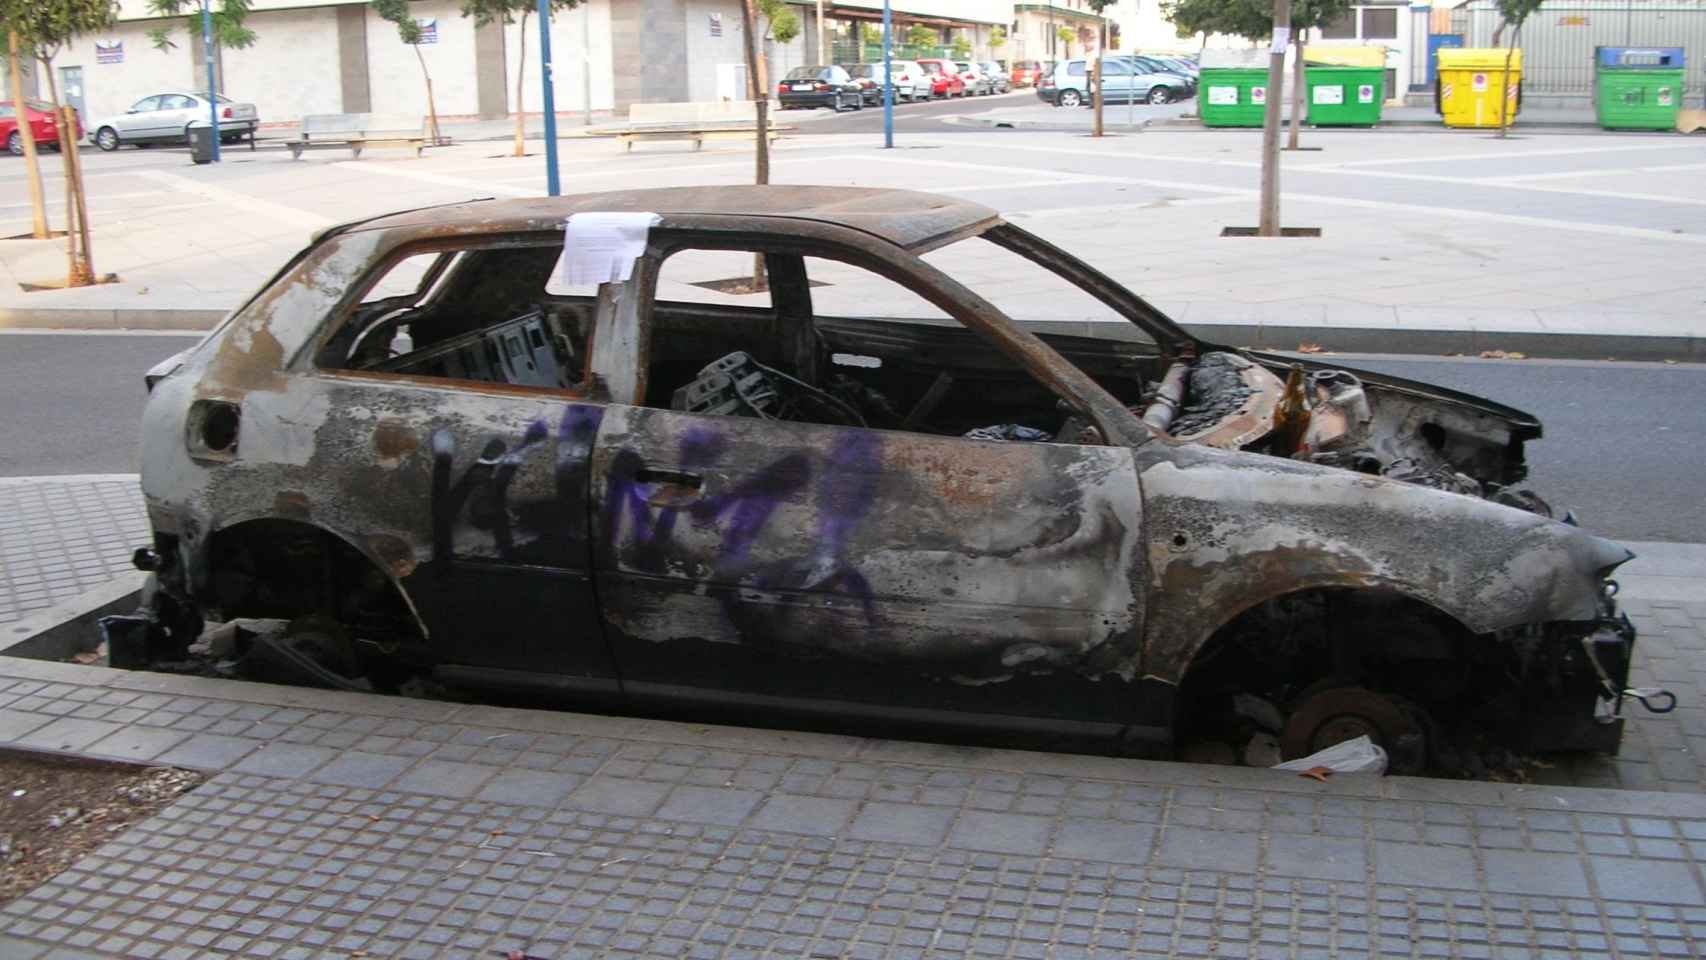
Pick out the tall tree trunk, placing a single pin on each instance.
(1096, 80)
(77, 272)
(1505, 84)
(76, 154)
(520, 92)
(432, 108)
(1296, 91)
(38, 197)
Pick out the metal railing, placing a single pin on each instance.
(1558, 41)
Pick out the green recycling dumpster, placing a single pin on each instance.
(1343, 96)
(1232, 96)
(1638, 88)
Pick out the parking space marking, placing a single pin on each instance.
(238, 201)
(1620, 171)
(1517, 154)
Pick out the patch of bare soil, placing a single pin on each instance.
(53, 810)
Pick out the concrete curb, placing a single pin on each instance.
(104, 318)
(69, 627)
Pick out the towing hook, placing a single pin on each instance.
(1651, 697)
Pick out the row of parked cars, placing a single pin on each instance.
(156, 118)
(1126, 78)
(858, 85)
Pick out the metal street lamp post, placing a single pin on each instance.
(888, 77)
(212, 89)
(553, 186)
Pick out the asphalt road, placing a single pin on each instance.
(1619, 445)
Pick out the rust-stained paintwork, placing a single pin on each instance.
(572, 532)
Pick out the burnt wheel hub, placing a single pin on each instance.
(1333, 716)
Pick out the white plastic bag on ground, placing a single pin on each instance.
(1359, 755)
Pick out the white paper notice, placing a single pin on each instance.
(1227, 96)
(602, 247)
(1282, 36)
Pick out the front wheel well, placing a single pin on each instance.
(1281, 648)
(286, 569)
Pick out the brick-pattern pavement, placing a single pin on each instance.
(342, 822)
(61, 536)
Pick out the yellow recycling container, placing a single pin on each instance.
(1466, 92)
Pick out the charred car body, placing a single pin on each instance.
(610, 496)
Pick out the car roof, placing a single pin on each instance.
(906, 218)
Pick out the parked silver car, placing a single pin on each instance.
(167, 117)
(995, 72)
(978, 82)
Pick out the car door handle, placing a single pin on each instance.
(665, 487)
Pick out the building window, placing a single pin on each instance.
(1342, 28)
(1379, 23)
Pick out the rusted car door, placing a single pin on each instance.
(841, 569)
(802, 562)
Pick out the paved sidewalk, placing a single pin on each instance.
(1558, 246)
(342, 825)
(63, 536)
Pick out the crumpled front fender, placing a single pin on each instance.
(1228, 530)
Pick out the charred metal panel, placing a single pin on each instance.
(761, 553)
(1228, 530)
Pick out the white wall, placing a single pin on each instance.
(110, 88)
(707, 56)
(567, 43)
(292, 69)
(394, 75)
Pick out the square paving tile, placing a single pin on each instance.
(1001, 833)
(817, 816)
(1645, 881)
(619, 795)
(1200, 849)
(533, 788)
(67, 733)
(138, 743)
(357, 769)
(209, 751)
(902, 823)
(1538, 874)
(725, 805)
(1422, 865)
(444, 778)
(1315, 857)
(280, 759)
(16, 723)
(1108, 841)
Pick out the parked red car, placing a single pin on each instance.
(945, 79)
(1024, 73)
(42, 125)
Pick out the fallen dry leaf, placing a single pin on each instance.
(1310, 348)
(1317, 773)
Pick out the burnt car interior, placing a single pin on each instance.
(485, 313)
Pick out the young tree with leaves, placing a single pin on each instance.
(46, 26)
(1307, 15)
(922, 38)
(960, 47)
(1514, 13)
(781, 25)
(1067, 36)
(409, 31)
(230, 30)
(1250, 19)
(486, 12)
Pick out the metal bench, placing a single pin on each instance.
(358, 131)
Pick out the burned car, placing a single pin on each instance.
(426, 454)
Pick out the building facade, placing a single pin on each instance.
(324, 56)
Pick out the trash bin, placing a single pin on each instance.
(1343, 96)
(201, 142)
(1466, 92)
(1638, 88)
(1232, 96)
